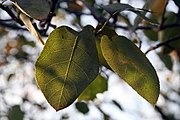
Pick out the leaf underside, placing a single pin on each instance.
(67, 65)
(132, 66)
(119, 7)
(38, 9)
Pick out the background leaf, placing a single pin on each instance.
(112, 8)
(166, 59)
(99, 85)
(119, 7)
(152, 34)
(82, 107)
(38, 9)
(132, 66)
(15, 113)
(170, 33)
(67, 65)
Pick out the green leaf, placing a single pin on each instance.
(152, 34)
(166, 59)
(138, 19)
(38, 9)
(169, 33)
(119, 7)
(15, 113)
(67, 65)
(131, 64)
(110, 32)
(112, 8)
(82, 107)
(99, 85)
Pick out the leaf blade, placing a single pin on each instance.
(67, 64)
(132, 66)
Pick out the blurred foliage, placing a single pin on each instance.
(82, 107)
(20, 48)
(15, 113)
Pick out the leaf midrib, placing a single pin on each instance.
(68, 68)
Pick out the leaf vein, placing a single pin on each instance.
(68, 68)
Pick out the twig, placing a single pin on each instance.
(177, 37)
(11, 26)
(94, 13)
(106, 22)
(49, 18)
(11, 14)
(164, 116)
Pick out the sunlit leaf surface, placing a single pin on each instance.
(132, 66)
(67, 65)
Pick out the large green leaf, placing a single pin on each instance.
(132, 66)
(38, 9)
(99, 85)
(67, 65)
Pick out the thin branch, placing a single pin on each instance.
(164, 116)
(11, 25)
(49, 18)
(94, 13)
(169, 99)
(177, 37)
(11, 14)
(106, 22)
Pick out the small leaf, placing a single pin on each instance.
(152, 34)
(119, 7)
(82, 107)
(138, 19)
(67, 65)
(38, 9)
(166, 59)
(112, 8)
(99, 85)
(131, 64)
(169, 33)
(15, 113)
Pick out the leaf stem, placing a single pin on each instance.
(106, 22)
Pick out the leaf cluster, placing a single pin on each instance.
(68, 66)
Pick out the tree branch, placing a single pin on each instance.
(165, 43)
(11, 14)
